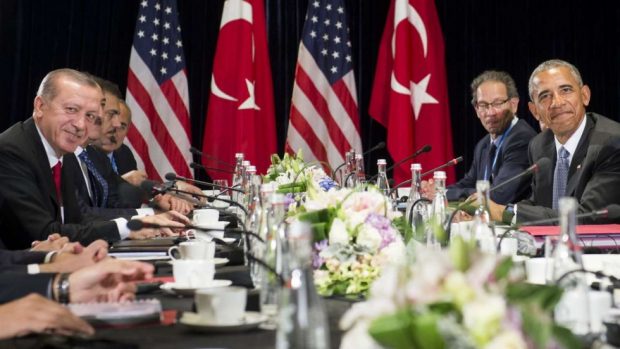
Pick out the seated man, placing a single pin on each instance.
(585, 148)
(36, 198)
(502, 153)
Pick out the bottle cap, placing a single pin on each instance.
(381, 162)
(416, 167)
(439, 175)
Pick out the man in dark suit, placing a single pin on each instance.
(502, 153)
(36, 199)
(584, 148)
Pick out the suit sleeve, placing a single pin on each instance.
(17, 285)
(514, 162)
(22, 195)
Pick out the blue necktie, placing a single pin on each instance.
(92, 170)
(560, 176)
(113, 162)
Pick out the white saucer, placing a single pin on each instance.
(193, 321)
(174, 288)
(215, 225)
(228, 240)
(217, 261)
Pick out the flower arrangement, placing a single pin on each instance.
(293, 175)
(356, 234)
(456, 298)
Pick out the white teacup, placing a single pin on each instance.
(193, 273)
(509, 246)
(197, 249)
(205, 216)
(221, 204)
(536, 270)
(221, 305)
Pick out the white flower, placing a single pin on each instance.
(394, 253)
(338, 233)
(483, 317)
(507, 340)
(369, 237)
(321, 277)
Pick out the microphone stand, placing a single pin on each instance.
(194, 150)
(380, 145)
(205, 168)
(424, 149)
(173, 177)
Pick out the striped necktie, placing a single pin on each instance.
(99, 199)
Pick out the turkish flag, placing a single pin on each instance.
(240, 115)
(409, 95)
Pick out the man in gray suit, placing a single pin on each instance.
(583, 148)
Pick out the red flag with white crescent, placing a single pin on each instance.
(240, 115)
(409, 95)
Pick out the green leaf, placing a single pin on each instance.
(400, 223)
(460, 253)
(565, 337)
(394, 330)
(275, 159)
(319, 232)
(545, 296)
(536, 326)
(425, 331)
(502, 270)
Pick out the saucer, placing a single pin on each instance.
(228, 240)
(195, 322)
(217, 261)
(215, 225)
(183, 290)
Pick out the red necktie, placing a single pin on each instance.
(57, 174)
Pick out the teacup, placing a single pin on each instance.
(197, 249)
(193, 273)
(221, 305)
(536, 270)
(220, 203)
(205, 216)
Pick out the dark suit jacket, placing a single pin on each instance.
(16, 285)
(594, 173)
(122, 193)
(125, 161)
(29, 208)
(72, 169)
(511, 160)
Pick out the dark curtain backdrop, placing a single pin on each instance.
(37, 36)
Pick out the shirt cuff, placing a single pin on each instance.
(34, 269)
(121, 224)
(49, 256)
(145, 211)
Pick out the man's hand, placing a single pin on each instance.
(74, 256)
(496, 211)
(170, 219)
(36, 314)
(135, 177)
(54, 242)
(428, 189)
(169, 202)
(111, 280)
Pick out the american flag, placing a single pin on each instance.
(157, 92)
(324, 119)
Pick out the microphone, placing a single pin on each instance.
(197, 165)
(424, 149)
(447, 164)
(378, 146)
(212, 198)
(153, 188)
(136, 224)
(173, 177)
(543, 163)
(195, 151)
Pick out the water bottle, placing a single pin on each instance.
(438, 210)
(382, 180)
(237, 175)
(302, 320)
(482, 230)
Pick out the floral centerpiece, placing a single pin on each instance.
(356, 234)
(293, 175)
(457, 298)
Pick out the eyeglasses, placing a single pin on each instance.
(483, 106)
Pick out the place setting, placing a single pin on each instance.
(221, 310)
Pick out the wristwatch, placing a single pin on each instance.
(509, 213)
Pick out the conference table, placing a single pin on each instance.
(171, 334)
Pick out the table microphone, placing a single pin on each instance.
(194, 150)
(379, 145)
(173, 177)
(212, 197)
(447, 164)
(424, 149)
(197, 165)
(541, 163)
